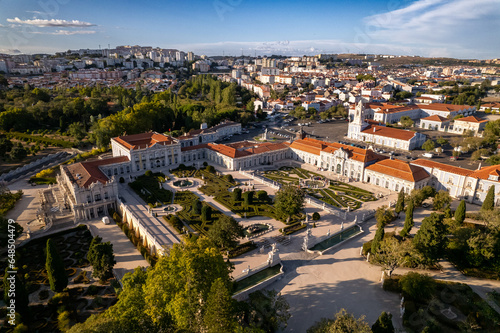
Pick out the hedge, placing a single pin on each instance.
(293, 228)
(241, 249)
(175, 222)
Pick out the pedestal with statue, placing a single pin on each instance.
(273, 256)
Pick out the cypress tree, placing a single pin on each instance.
(206, 213)
(379, 236)
(196, 207)
(248, 198)
(408, 220)
(460, 212)
(56, 271)
(400, 204)
(237, 194)
(489, 201)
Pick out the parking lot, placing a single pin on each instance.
(336, 130)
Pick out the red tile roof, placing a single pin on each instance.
(472, 119)
(485, 172)
(389, 108)
(436, 118)
(355, 153)
(86, 173)
(399, 169)
(443, 107)
(443, 167)
(389, 132)
(143, 140)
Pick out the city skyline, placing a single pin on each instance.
(435, 28)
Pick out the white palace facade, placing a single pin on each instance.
(92, 186)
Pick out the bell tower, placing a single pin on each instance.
(358, 123)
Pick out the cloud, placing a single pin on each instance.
(66, 32)
(460, 28)
(52, 23)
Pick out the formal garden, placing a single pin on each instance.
(80, 295)
(197, 214)
(148, 187)
(246, 204)
(439, 306)
(333, 192)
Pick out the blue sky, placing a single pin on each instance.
(455, 28)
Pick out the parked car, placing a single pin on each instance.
(428, 155)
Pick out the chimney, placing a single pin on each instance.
(374, 129)
(479, 166)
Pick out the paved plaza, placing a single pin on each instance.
(315, 286)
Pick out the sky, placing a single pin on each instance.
(466, 29)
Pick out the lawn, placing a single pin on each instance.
(148, 188)
(337, 193)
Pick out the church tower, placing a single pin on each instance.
(358, 123)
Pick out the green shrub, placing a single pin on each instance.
(175, 222)
(419, 287)
(241, 249)
(248, 198)
(367, 247)
(237, 194)
(262, 196)
(392, 284)
(315, 216)
(210, 168)
(290, 229)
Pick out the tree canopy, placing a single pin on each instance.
(188, 290)
(101, 257)
(289, 200)
(430, 239)
(225, 232)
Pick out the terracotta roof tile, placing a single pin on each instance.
(442, 166)
(86, 173)
(399, 169)
(436, 118)
(143, 140)
(443, 107)
(472, 119)
(389, 132)
(485, 172)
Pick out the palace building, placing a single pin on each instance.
(91, 187)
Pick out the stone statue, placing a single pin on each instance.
(328, 233)
(342, 226)
(305, 244)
